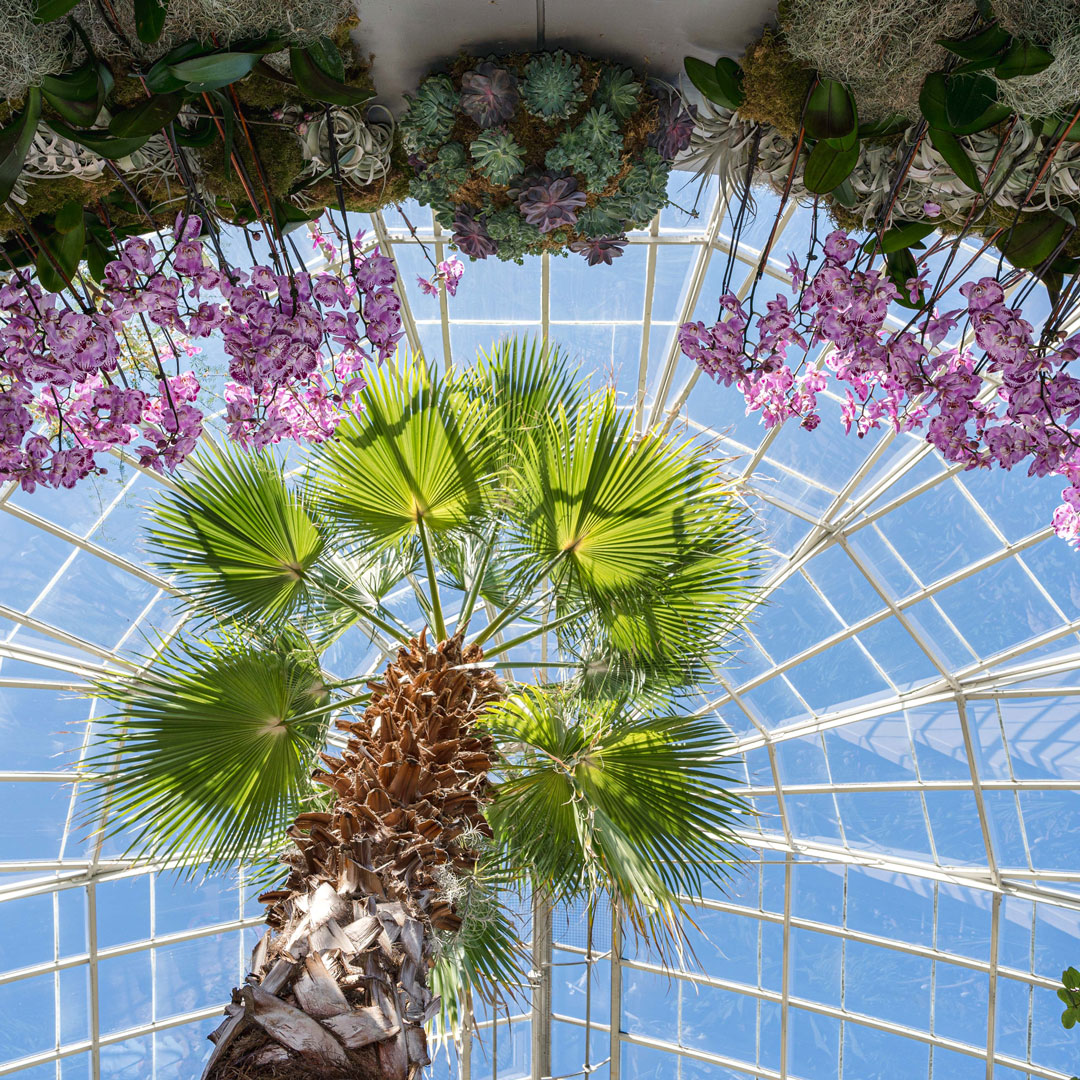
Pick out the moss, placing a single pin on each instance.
(45, 197)
(775, 85)
(279, 154)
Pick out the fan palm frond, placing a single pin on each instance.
(594, 797)
(210, 753)
(413, 460)
(237, 538)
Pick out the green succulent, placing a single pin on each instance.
(436, 185)
(593, 149)
(551, 88)
(514, 235)
(599, 128)
(498, 156)
(619, 91)
(645, 187)
(606, 218)
(430, 115)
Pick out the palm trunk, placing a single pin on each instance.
(338, 984)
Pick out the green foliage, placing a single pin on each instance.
(209, 755)
(642, 193)
(1070, 995)
(592, 149)
(430, 115)
(260, 540)
(619, 91)
(497, 155)
(514, 235)
(507, 483)
(551, 88)
(557, 113)
(721, 83)
(595, 798)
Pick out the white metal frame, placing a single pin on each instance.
(877, 488)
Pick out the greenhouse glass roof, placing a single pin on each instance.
(904, 712)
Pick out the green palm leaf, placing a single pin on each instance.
(414, 456)
(595, 798)
(211, 749)
(237, 538)
(609, 510)
(519, 384)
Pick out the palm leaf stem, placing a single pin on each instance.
(472, 595)
(398, 632)
(429, 564)
(334, 706)
(543, 628)
(522, 603)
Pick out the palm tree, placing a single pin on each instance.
(472, 529)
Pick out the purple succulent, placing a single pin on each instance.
(489, 94)
(550, 201)
(471, 237)
(676, 125)
(600, 249)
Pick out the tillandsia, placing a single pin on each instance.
(970, 128)
(566, 152)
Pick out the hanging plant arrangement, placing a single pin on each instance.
(125, 134)
(522, 154)
(967, 138)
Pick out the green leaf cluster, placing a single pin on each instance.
(518, 507)
(429, 118)
(593, 149)
(551, 88)
(497, 155)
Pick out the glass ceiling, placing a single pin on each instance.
(903, 708)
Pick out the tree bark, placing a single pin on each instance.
(338, 983)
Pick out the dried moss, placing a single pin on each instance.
(881, 49)
(775, 85)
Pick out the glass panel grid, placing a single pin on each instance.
(903, 704)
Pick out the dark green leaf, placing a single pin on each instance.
(100, 142)
(961, 104)
(150, 19)
(1033, 239)
(1071, 978)
(1068, 1019)
(968, 98)
(203, 73)
(15, 141)
(50, 10)
(201, 133)
(844, 194)
(316, 84)
(720, 82)
(981, 46)
(884, 128)
(270, 44)
(328, 57)
(730, 77)
(827, 168)
(267, 72)
(901, 267)
(1023, 58)
(902, 235)
(159, 79)
(830, 112)
(78, 96)
(291, 217)
(148, 117)
(68, 217)
(948, 146)
(58, 259)
(97, 257)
